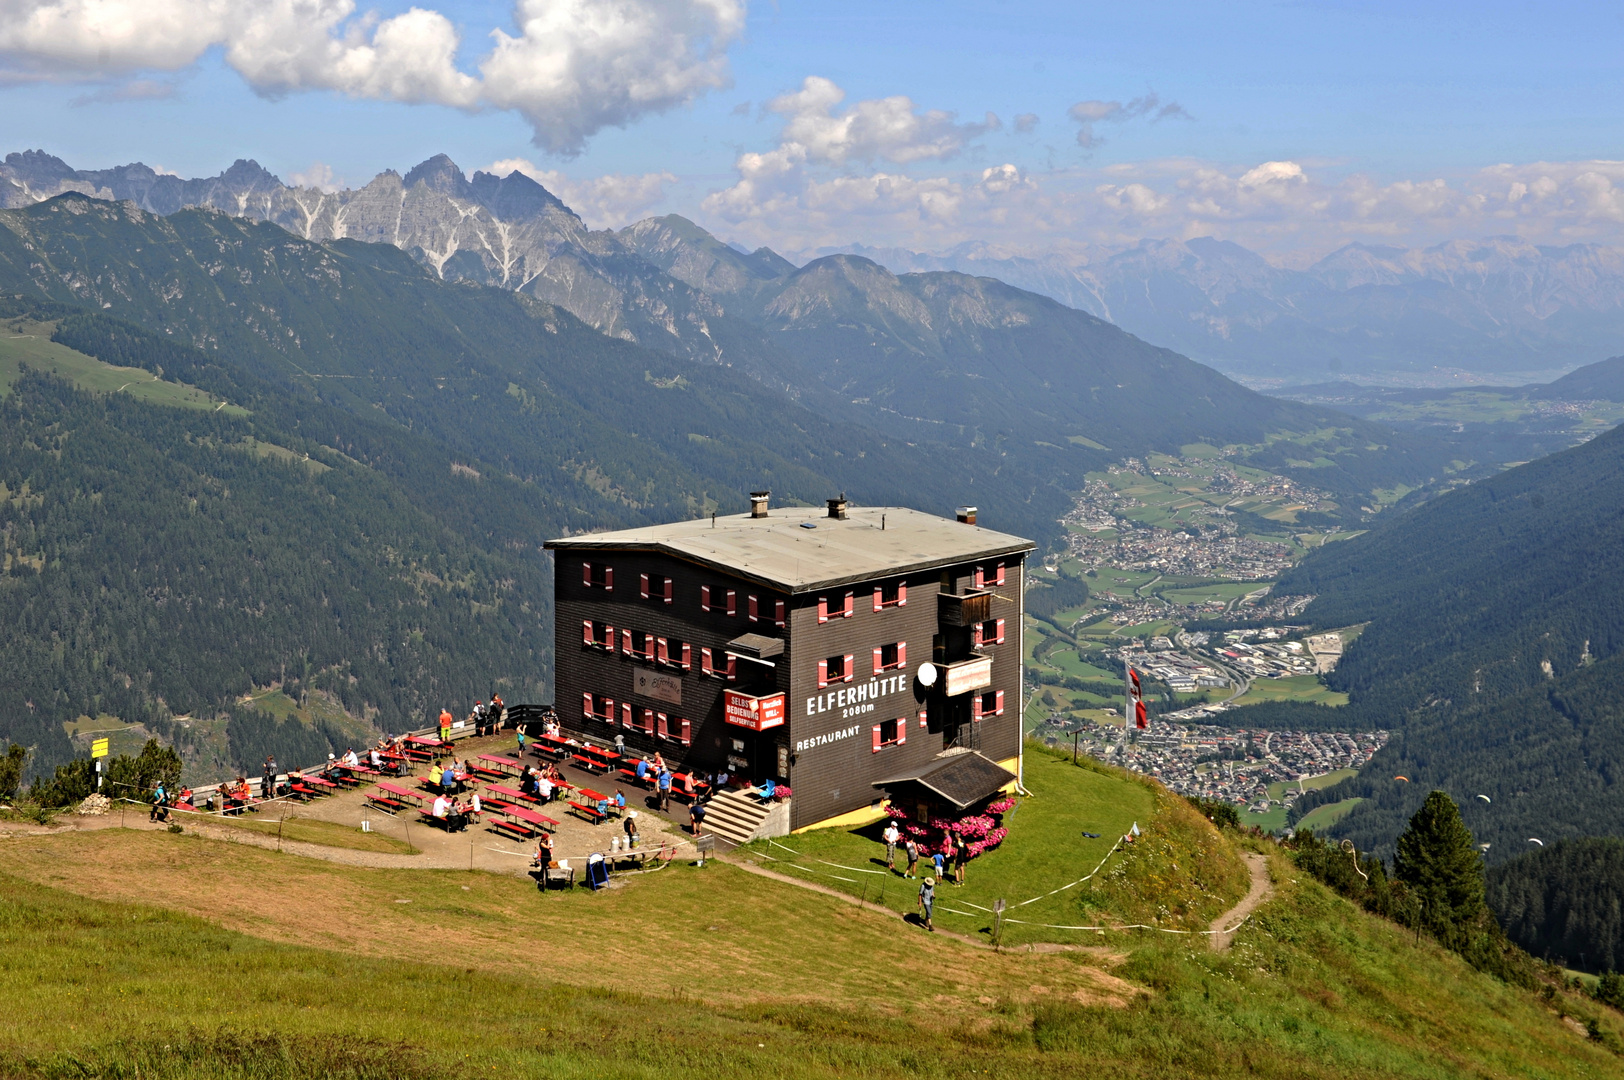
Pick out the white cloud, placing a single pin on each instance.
(574, 67)
(1276, 206)
(603, 202)
(888, 129)
(319, 176)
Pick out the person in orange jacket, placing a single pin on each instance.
(445, 725)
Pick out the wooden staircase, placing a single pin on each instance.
(735, 817)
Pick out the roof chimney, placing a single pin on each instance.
(966, 515)
(758, 503)
(837, 507)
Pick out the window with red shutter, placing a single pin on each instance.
(626, 642)
(902, 729)
(779, 613)
(705, 667)
(625, 715)
(669, 590)
(588, 637)
(849, 668)
(643, 578)
(998, 637)
(998, 704)
(732, 603)
(877, 742)
(980, 578)
(662, 650)
(879, 661)
(608, 579)
(608, 707)
(687, 737)
(902, 594)
(879, 598)
(823, 609)
(823, 674)
(586, 574)
(753, 608)
(586, 705)
(687, 657)
(704, 598)
(851, 606)
(902, 654)
(1000, 578)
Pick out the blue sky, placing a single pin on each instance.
(1369, 103)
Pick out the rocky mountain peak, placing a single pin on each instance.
(438, 173)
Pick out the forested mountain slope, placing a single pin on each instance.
(1565, 901)
(1495, 648)
(470, 424)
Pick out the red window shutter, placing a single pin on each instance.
(732, 666)
(902, 730)
(670, 590)
(626, 642)
(625, 715)
(823, 674)
(850, 669)
(779, 611)
(753, 607)
(1000, 578)
(586, 574)
(732, 603)
(687, 738)
(975, 707)
(662, 650)
(609, 637)
(1000, 638)
(586, 705)
(851, 607)
(609, 709)
(587, 636)
(704, 598)
(980, 578)
(902, 594)
(608, 579)
(643, 584)
(876, 738)
(879, 598)
(687, 656)
(902, 654)
(998, 704)
(975, 634)
(705, 661)
(823, 609)
(879, 665)
(922, 721)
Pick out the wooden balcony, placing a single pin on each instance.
(965, 610)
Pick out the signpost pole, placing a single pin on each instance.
(998, 923)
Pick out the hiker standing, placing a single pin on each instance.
(267, 783)
(665, 791)
(445, 725)
(927, 900)
(891, 836)
(961, 855)
(911, 848)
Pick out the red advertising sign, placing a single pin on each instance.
(755, 713)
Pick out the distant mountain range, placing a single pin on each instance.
(1499, 308)
(938, 357)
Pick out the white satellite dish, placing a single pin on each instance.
(927, 675)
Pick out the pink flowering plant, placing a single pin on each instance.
(982, 831)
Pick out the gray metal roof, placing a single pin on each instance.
(962, 778)
(778, 550)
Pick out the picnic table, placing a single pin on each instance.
(524, 824)
(555, 745)
(394, 797)
(495, 768)
(685, 785)
(595, 759)
(423, 747)
(589, 809)
(509, 795)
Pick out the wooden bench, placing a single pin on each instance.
(591, 813)
(384, 802)
(515, 829)
(646, 781)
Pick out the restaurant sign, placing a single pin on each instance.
(658, 685)
(755, 713)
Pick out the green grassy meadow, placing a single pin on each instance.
(23, 342)
(126, 953)
(316, 831)
(1323, 817)
(1297, 688)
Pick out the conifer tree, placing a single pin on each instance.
(1438, 861)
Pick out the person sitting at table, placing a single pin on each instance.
(544, 787)
(441, 804)
(552, 727)
(659, 762)
(350, 759)
(185, 798)
(721, 780)
(448, 778)
(642, 768)
(603, 808)
(620, 801)
(375, 759)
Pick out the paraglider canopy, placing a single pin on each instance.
(1406, 779)
(1536, 840)
(1485, 798)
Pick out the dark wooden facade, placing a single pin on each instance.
(842, 732)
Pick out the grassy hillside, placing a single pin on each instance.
(188, 957)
